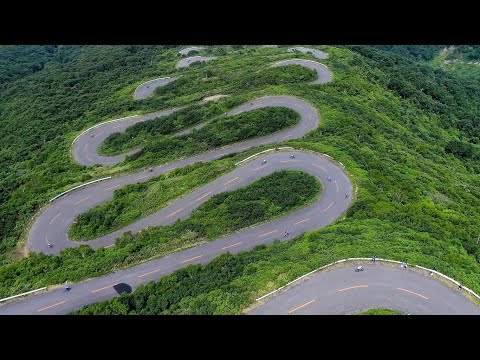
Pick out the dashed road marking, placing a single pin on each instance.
(301, 221)
(321, 167)
(106, 287)
(301, 306)
(51, 221)
(193, 258)
(271, 232)
(201, 197)
(328, 207)
(228, 182)
(48, 307)
(229, 246)
(148, 273)
(258, 168)
(354, 287)
(414, 293)
(174, 212)
(78, 202)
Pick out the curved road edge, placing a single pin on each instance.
(324, 75)
(327, 209)
(184, 63)
(316, 53)
(52, 225)
(146, 89)
(321, 291)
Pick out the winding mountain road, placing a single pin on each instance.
(316, 53)
(52, 224)
(191, 60)
(188, 50)
(323, 74)
(343, 291)
(145, 90)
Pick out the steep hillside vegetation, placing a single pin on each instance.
(407, 133)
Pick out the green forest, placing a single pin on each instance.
(406, 129)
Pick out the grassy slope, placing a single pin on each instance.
(129, 205)
(381, 312)
(464, 66)
(415, 202)
(41, 114)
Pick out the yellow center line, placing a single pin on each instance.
(48, 307)
(320, 167)
(301, 306)
(271, 232)
(193, 258)
(51, 221)
(354, 287)
(78, 202)
(284, 161)
(109, 246)
(328, 207)
(229, 246)
(228, 182)
(301, 221)
(414, 293)
(258, 168)
(148, 273)
(174, 212)
(106, 287)
(113, 187)
(336, 184)
(201, 197)
(141, 177)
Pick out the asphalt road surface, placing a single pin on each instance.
(85, 148)
(343, 291)
(52, 225)
(327, 209)
(188, 50)
(145, 90)
(323, 74)
(189, 61)
(317, 53)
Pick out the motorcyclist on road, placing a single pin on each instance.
(292, 156)
(264, 161)
(360, 268)
(286, 233)
(329, 178)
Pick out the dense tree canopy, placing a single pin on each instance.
(407, 131)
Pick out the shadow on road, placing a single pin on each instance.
(123, 288)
